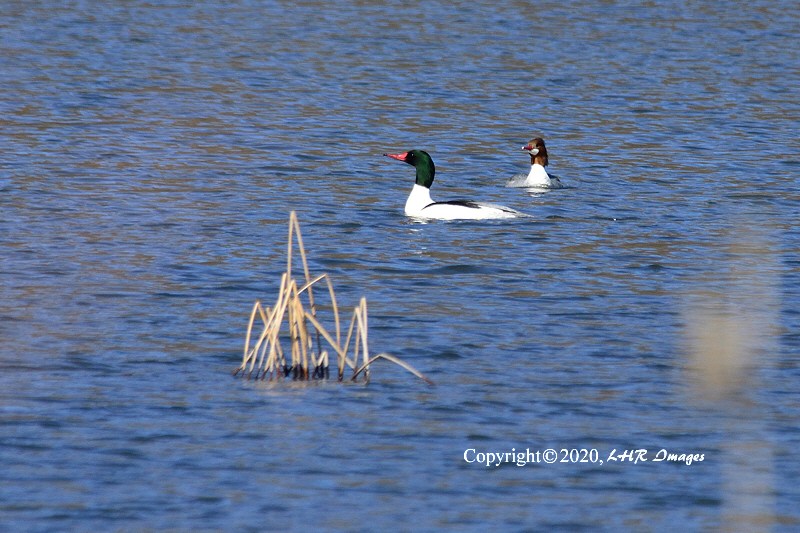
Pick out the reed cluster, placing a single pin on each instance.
(293, 320)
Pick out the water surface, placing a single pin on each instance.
(151, 154)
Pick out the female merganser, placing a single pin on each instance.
(538, 176)
(420, 205)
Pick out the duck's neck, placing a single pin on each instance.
(539, 159)
(419, 198)
(425, 175)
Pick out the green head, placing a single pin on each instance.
(420, 160)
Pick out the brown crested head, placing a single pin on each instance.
(537, 151)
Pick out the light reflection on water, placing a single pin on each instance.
(151, 155)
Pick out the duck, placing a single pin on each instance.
(420, 204)
(537, 177)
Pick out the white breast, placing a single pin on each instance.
(419, 198)
(538, 177)
(420, 205)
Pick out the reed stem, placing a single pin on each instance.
(265, 356)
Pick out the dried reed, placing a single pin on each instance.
(294, 314)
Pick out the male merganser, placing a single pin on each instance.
(420, 205)
(537, 177)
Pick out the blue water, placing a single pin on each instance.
(150, 154)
